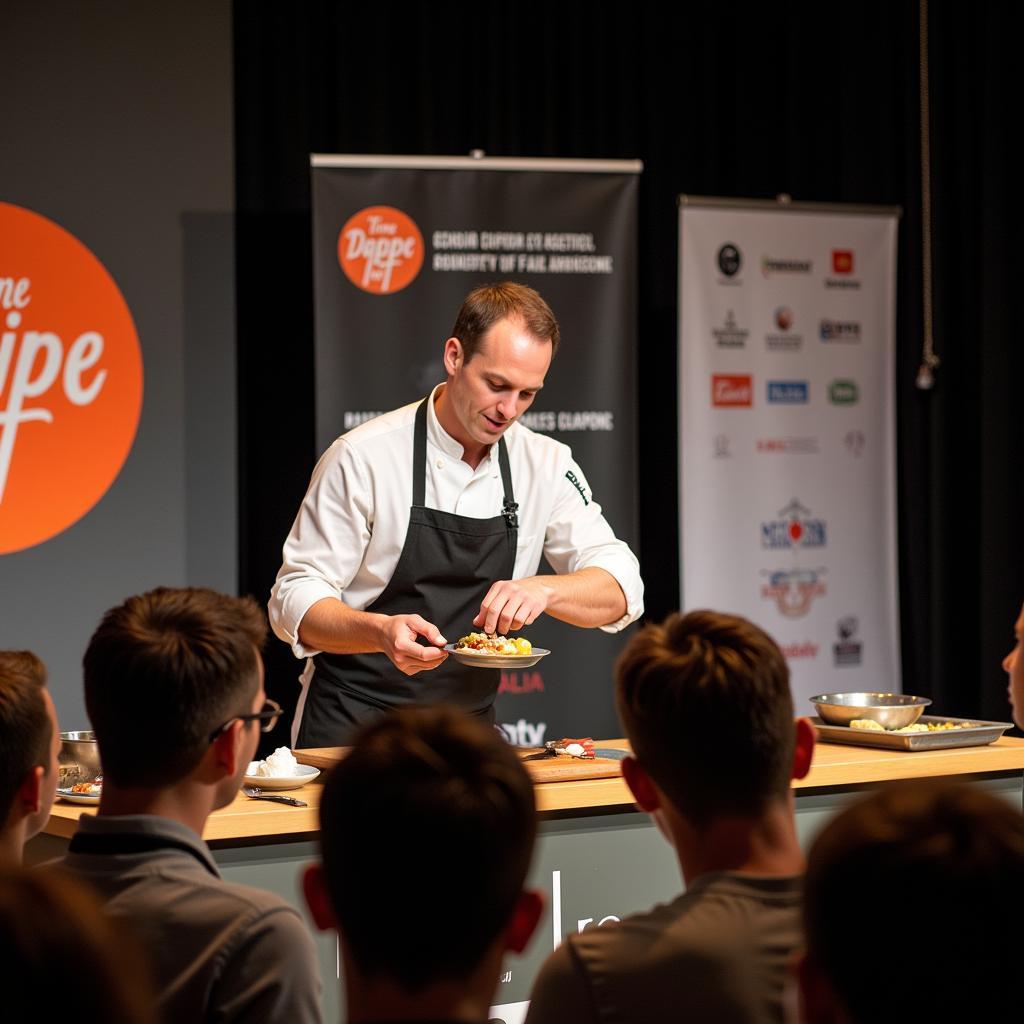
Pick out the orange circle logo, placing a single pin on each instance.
(380, 249)
(70, 379)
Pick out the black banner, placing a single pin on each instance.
(397, 246)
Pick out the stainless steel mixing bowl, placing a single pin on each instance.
(889, 710)
(79, 758)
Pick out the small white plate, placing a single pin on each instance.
(477, 660)
(78, 798)
(307, 773)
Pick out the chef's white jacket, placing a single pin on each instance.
(351, 527)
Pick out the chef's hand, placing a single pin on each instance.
(398, 642)
(512, 604)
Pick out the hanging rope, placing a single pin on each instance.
(929, 360)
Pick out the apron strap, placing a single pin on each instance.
(509, 508)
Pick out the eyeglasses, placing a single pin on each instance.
(269, 715)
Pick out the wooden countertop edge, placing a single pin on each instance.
(835, 767)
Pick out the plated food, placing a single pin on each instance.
(490, 644)
(279, 771)
(869, 723)
(928, 733)
(81, 792)
(493, 651)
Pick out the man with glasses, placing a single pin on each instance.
(174, 690)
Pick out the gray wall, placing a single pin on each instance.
(117, 124)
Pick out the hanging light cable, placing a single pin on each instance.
(929, 360)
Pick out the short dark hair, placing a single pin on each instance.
(947, 857)
(489, 304)
(430, 819)
(25, 728)
(163, 671)
(704, 699)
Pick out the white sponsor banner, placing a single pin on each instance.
(787, 432)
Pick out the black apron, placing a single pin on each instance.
(446, 567)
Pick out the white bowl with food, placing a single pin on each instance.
(279, 771)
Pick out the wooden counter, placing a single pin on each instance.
(835, 768)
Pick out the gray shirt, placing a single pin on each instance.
(220, 951)
(719, 952)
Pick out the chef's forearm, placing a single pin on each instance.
(331, 626)
(590, 598)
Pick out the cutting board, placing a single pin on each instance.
(555, 769)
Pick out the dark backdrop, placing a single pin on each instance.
(716, 100)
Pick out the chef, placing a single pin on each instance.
(433, 518)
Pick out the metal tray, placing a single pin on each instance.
(980, 736)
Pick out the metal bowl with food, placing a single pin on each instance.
(79, 757)
(889, 710)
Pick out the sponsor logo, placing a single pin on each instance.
(788, 445)
(521, 682)
(840, 331)
(783, 342)
(847, 651)
(523, 733)
(792, 590)
(788, 392)
(731, 390)
(721, 444)
(575, 481)
(380, 249)
(783, 265)
(70, 379)
(854, 442)
(842, 261)
(794, 528)
(730, 259)
(843, 392)
(730, 335)
(842, 267)
(806, 650)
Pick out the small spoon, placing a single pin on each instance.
(255, 793)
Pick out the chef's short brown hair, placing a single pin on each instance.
(25, 728)
(949, 855)
(162, 672)
(704, 699)
(427, 829)
(491, 303)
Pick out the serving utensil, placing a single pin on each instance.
(255, 793)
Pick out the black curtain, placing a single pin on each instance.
(816, 101)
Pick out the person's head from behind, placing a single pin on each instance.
(29, 744)
(950, 859)
(173, 683)
(705, 702)
(427, 830)
(1013, 663)
(53, 927)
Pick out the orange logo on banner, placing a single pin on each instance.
(70, 379)
(380, 249)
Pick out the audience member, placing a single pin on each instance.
(53, 933)
(908, 895)
(1013, 663)
(29, 744)
(704, 699)
(174, 689)
(427, 828)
